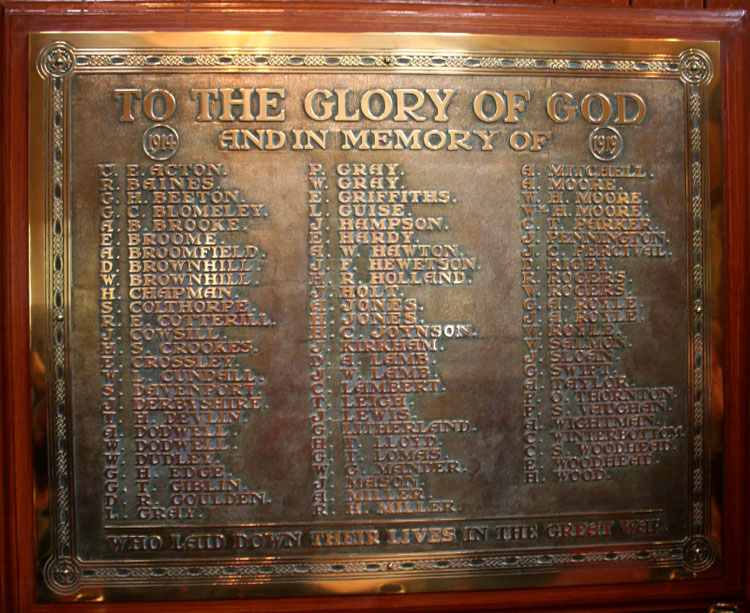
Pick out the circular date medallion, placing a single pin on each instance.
(605, 143)
(160, 142)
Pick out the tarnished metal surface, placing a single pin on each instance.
(317, 315)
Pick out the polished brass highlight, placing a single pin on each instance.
(723, 607)
(326, 313)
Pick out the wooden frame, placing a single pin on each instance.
(17, 539)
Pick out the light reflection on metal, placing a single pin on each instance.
(269, 502)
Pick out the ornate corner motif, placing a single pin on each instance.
(695, 67)
(698, 554)
(56, 60)
(62, 575)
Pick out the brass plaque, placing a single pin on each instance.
(323, 314)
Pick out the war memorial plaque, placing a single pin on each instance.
(322, 314)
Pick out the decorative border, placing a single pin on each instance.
(62, 55)
(695, 72)
(61, 571)
(66, 575)
(384, 569)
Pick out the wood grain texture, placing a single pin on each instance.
(631, 18)
(8, 578)
(16, 463)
